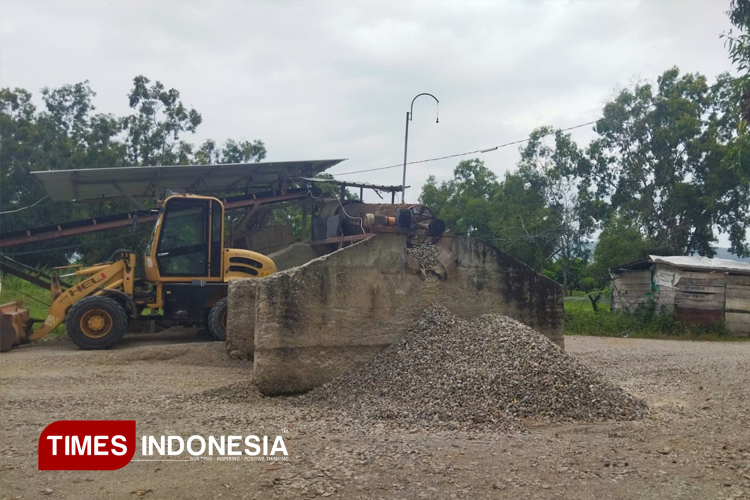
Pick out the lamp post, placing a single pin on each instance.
(409, 115)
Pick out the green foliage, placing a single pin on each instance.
(552, 172)
(32, 297)
(68, 133)
(511, 214)
(620, 242)
(574, 272)
(523, 225)
(291, 215)
(463, 202)
(662, 161)
(580, 319)
(665, 172)
(153, 132)
(534, 214)
(739, 43)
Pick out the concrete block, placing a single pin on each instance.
(334, 313)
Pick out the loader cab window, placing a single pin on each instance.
(183, 244)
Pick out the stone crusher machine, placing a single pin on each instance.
(354, 218)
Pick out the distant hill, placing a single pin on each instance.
(723, 253)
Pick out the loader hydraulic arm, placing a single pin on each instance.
(112, 275)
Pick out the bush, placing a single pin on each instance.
(645, 322)
(32, 297)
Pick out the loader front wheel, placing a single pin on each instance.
(96, 323)
(217, 320)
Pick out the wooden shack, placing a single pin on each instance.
(697, 289)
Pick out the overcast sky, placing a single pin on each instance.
(320, 80)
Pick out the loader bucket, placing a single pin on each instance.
(15, 324)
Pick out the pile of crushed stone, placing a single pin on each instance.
(490, 371)
(426, 255)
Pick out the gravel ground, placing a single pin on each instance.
(695, 442)
(481, 374)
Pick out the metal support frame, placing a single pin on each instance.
(122, 220)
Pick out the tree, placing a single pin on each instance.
(67, 133)
(511, 214)
(551, 170)
(662, 160)
(153, 133)
(620, 242)
(232, 152)
(739, 43)
(522, 224)
(464, 202)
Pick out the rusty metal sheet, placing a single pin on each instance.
(445, 243)
(699, 316)
(448, 261)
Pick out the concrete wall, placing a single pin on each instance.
(241, 296)
(241, 318)
(293, 256)
(266, 239)
(314, 322)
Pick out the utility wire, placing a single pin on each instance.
(487, 150)
(24, 208)
(26, 294)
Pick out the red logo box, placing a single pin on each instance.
(87, 445)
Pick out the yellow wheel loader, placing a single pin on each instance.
(187, 270)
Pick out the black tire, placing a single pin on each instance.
(96, 323)
(217, 320)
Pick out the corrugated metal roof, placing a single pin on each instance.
(147, 182)
(697, 262)
(686, 262)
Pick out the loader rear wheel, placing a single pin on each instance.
(96, 323)
(217, 320)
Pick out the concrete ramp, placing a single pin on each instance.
(309, 324)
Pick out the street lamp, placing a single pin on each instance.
(409, 115)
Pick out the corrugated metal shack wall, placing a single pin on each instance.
(632, 289)
(737, 305)
(701, 297)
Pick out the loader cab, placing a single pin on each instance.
(187, 266)
(187, 242)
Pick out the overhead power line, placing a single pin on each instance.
(24, 208)
(476, 151)
(494, 148)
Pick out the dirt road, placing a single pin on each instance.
(695, 444)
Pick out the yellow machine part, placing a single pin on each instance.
(239, 263)
(13, 325)
(115, 275)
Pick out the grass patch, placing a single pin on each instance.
(32, 297)
(580, 319)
